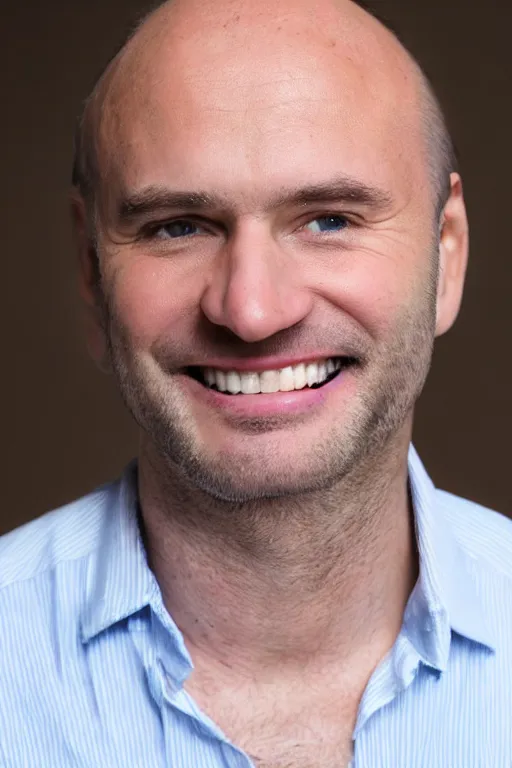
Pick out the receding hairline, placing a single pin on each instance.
(440, 150)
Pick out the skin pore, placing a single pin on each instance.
(284, 543)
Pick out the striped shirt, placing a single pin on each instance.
(92, 665)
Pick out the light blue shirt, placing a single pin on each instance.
(92, 666)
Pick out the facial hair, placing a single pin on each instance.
(391, 377)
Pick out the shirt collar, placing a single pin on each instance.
(445, 597)
(119, 580)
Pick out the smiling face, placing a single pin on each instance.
(266, 205)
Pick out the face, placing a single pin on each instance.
(263, 227)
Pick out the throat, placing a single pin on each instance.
(277, 583)
(271, 611)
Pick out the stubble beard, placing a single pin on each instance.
(388, 390)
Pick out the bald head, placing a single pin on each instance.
(184, 36)
(264, 189)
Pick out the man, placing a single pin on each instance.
(271, 234)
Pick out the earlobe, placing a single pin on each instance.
(453, 256)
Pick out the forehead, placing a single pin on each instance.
(263, 105)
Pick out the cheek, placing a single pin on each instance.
(374, 291)
(151, 299)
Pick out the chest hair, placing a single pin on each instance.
(282, 727)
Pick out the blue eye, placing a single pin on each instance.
(327, 224)
(178, 228)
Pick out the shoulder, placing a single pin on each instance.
(485, 537)
(45, 577)
(484, 534)
(47, 570)
(57, 539)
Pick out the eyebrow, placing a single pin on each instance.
(155, 199)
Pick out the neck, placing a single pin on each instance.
(273, 584)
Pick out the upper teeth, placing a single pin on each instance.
(281, 380)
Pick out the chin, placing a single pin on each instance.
(244, 478)
(234, 491)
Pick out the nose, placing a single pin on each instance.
(255, 286)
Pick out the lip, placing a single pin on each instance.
(259, 364)
(269, 405)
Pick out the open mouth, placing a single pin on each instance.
(312, 375)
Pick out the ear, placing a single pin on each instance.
(90, 284)
(453, 257)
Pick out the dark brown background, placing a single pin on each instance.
(64, 429)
